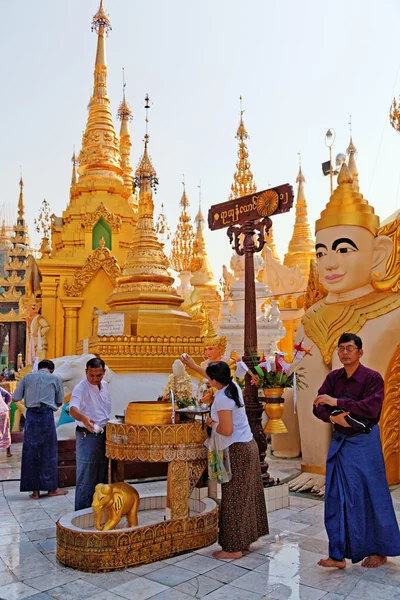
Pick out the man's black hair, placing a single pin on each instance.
(350, 337)
(95, 363)
(46, 364)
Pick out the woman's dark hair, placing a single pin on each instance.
(350, 337)
(95, 363)
(220, 371)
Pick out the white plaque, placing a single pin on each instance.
(85, 348)
(111, 324)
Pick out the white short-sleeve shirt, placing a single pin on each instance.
(241, 427)
(93, 402)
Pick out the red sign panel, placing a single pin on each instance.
(252, 207)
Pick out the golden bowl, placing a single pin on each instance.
(150, 413)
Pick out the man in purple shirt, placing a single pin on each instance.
(359, 516)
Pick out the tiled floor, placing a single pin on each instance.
(280, 566)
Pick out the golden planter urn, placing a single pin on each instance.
(150, 413)
(273, 408)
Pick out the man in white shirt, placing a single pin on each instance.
(90, 405)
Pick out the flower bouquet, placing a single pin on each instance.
(273, 375)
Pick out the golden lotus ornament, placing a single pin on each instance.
(273, 407)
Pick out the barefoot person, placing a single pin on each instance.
(243, 515)
(359, 516)
(43, 394)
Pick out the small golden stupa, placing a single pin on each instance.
(301, 250)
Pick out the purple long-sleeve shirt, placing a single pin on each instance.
(361, 395)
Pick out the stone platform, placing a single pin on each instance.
(280, 569)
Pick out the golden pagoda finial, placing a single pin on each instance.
(346, 206)
(74, 161)
(199, 262)
(182, 243)
(21, 203)
(301, 248)
(125, 115)
(351, 151)
(145, 169)
(243, 179)
(99, 157)
(162, 227)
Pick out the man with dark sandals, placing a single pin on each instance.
(43, 394)
(359, 517)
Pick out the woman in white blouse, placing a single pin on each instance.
(243, 514)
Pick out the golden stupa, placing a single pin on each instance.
(15, 251)
(301, 250)
(81, 271)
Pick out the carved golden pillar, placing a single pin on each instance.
(49, 298)
(177, 489)
(71, 308)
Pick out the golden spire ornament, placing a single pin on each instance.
(21, 203)
(162, 227)
(125, 115)
(100, 154)
(74, 163)
(351, 151)
(301, 248)
(243, 180)
(43, 224)
(182, 243)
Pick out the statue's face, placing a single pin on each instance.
(345, 257)
(212, 353)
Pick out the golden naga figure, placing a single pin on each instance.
(358, 292)
(117, 500)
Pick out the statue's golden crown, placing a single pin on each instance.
(346, 206)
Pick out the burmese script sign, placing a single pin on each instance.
(252, 207)
(111, 324)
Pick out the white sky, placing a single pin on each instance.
(301, 68)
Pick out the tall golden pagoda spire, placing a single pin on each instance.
(21, 203)
(144, 291)
(243, 180)
(182, 243)
(351, 151)
(270, 242)
(301, 248)
(74, 162)
(100, 157)
(203, 277)
(125, 115)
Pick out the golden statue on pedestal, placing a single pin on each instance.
(118, 500)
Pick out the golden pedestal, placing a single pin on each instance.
(182, 447)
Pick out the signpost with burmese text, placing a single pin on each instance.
(248, 222)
